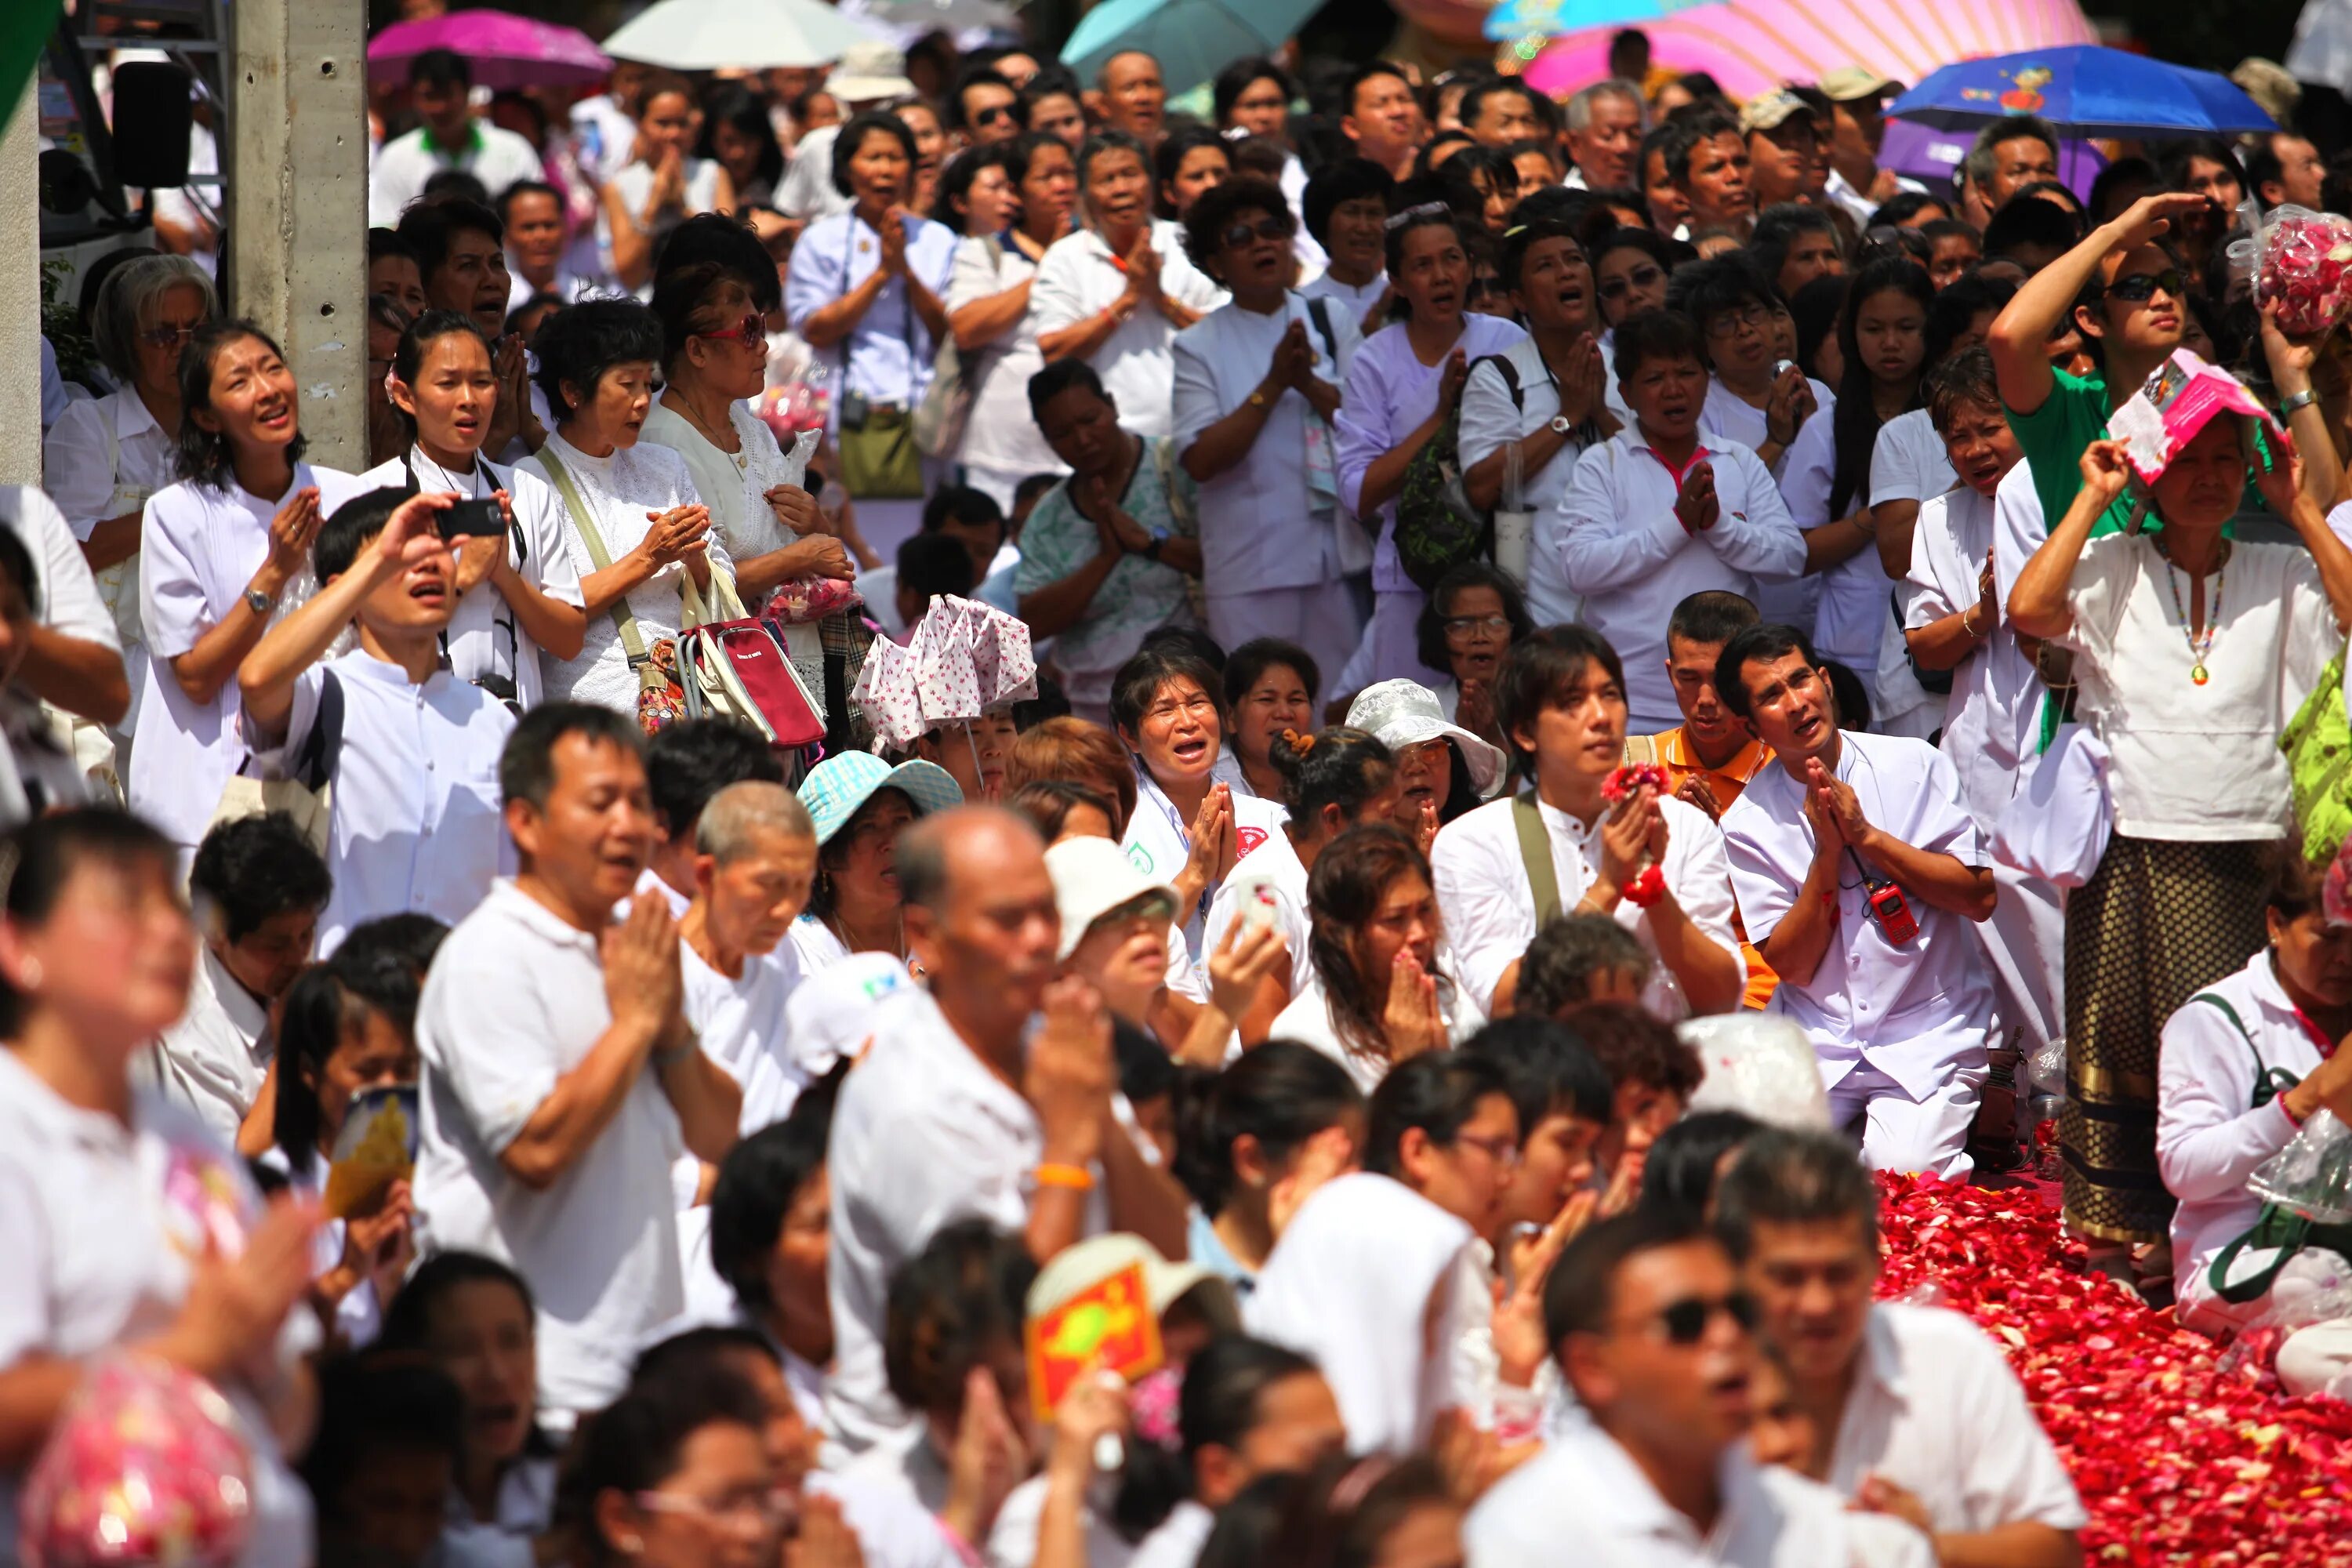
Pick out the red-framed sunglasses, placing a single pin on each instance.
(752, 333)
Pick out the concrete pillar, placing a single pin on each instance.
(20, 298)
(298, 205)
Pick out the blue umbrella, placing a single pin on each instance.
(2086, 90)
(1191, 39)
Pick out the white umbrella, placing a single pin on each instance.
(2321, 51)
(948, 16)
(743, 35)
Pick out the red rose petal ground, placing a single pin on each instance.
(2177, 1461)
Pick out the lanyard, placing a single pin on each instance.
(1148, 786)
(905, 304)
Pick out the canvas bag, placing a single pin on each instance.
(946, 408)
(879, 459)
(307, 792)
(661, 698)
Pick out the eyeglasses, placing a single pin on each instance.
(166, 337)
(1155, 907)
(1472, 626)
(2137, 287)
(1496, 1147)
(1686, 1321)
(752, 333)
(1730, 323)
(1640, 278)
(767, 1512)
(1241, 234)
(991, 114)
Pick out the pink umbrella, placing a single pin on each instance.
(1754, 45)
(505, 50)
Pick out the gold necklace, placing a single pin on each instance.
(740, 456)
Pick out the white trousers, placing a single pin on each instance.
(2318, 1360)
(1900, 1134)
(1320, 618)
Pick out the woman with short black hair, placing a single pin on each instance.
(994, 317)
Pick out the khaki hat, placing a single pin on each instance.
(1770, 110)
(868, 73)
(1849, 84)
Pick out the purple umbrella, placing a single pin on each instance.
(1934, 155)
(505, 50)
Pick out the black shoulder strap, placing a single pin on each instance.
(314, 765)
(1510, 373)
(1318, 311)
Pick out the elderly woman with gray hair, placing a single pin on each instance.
(102, 459)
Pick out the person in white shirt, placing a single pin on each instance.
(560, 1072)
(1118, 291)
(1016, 1118)
(40, 771)
(993, 309)
(1602, 126)
(1662, 512)
(755, 855)
(70, 656)
(1654, 1335)
(1752, 396)
(221, 552)
(410, 750)
(1563, 704)
(638, 535)
(662, 184)
(461, 264)
(104, 459)
(258, 889)
(129, 1227)
(1928, 1424)
(1539, 404)
(1858, 870)
(440, 88)
(2242, 1068)
(1958, 621)
(767, 1223)
(1256, 388)
(1345, 211)
(516, 593)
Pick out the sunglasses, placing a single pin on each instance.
(2137, 287)
(1686, 1321)
(991, 114)
(750, 332)
(1640, 278)
(166, 337)
(1155, 906)
(1241, 234)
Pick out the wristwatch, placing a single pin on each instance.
(1559, 425)
(260, 603)
(1151, 551)
(2295, 401)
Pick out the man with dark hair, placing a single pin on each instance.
(559, 1073)
(1381, 114)
(1925, 1420)
(2034, 234)
(1346, 211)
(461, 258)
(1578, 959)
(1954, 250)
(2010, 155)
(1562, 1095)
(985, 108)
(1782, 151)
(257, 887)
(2285, 168)
(1709, 166)
(384, 1460)
(1859, 872)
(1500, 109)
(1013, 1115)
(440, 88)
(689, 761)
(536, 237)
(1654, 1335)
(1710, 756)
(973, 519)
(1662, 511)
(1793, 245)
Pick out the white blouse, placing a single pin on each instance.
(618, 491)
(733, 485)
(999, 433)
(102, 459)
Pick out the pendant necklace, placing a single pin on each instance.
(2201, 649)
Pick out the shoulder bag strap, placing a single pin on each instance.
(1319, 311)
(632, 641)
(1641, 749)
(2269, 1082)
(1534, 855)
(322, 748)
(1163, 458)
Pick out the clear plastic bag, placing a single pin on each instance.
(147, 1465)
(2304, 260)
(2312, 1176)
(1759, 1063)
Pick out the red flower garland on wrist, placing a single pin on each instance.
(1626, 783)
(1648, 886)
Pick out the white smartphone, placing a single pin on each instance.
(1254, 889)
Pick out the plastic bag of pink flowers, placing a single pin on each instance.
(144, 1467)
(2305, 265)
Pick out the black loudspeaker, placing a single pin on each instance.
(153, 120)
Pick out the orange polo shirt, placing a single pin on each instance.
(1672, 751)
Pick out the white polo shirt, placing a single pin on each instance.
(484, 637)
(1080, 278)
(1627, 553)
(102, 459)
(212, 1062)
(514, 1001)
(1262, 522)
(198, 549)
(1936, 1409)
(740, 1024)
(1158, 842)
(1585, 1488)
(100, 1222)
(496, 157)
(920, 1089)
(416, 820)
(1915, 1012)
(1489, 418)
(69, 599)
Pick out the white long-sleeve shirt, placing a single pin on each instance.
(1629, 555)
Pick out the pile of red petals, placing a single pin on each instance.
(2177, 1460)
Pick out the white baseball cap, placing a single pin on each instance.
(1092, 877)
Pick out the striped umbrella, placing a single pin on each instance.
(1754, 45)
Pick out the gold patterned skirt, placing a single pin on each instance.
(2157, 922)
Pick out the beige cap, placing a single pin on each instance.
(1769, 111)
(1849, 84)
(868, 73)
(1092, 877)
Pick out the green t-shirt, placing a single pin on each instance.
(2052, 438)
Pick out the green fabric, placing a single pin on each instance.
(25, 29)
(2052, 438)
(1535, 854)
(2318, 745)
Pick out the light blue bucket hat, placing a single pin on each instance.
(839, 787)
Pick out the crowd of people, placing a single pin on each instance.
(1507, 579)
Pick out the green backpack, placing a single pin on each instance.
(1437, 529)
(2318, 745)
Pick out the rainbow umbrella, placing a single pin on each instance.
(504, 49)
(1754, 45)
